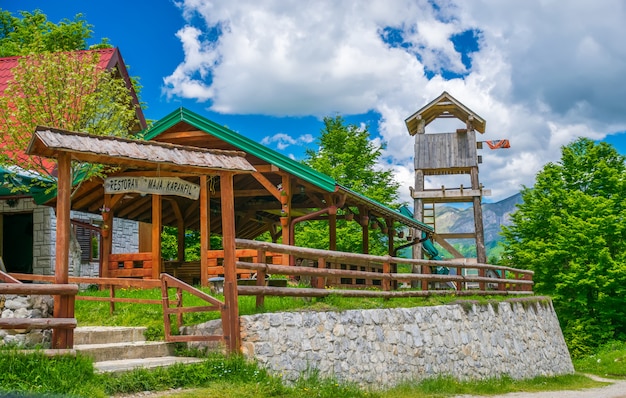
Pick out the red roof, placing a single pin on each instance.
(110, 58)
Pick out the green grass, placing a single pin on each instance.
(609, 361)
(219, 376)
(150, 315)
(35, 373)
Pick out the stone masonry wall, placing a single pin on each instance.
(125, 237)
(378, 348)
(15, 306)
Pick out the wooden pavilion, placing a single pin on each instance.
(272, 198)
(145, 158)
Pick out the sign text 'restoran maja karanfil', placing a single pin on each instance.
(152, 186)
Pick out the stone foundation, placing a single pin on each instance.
(14, 306)
(381, 348)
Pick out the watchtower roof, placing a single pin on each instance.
(444, 106)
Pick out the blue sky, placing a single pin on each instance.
(539, 73)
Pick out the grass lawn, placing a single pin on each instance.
(219, 376)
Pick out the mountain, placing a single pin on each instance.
(461, 220)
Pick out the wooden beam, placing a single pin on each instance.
(266, 168)
(448, 246)
(267, 184)
(156, 236)
(180, 233)
(107, 239)
(451, 193)
(458, 235)
(364, 221)
(204, 231)
(286, 209)
(63, 304)
(481, 253)
(231, 327)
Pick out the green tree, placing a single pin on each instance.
(33, 34)
(347, 154)
(66, 90)
(56, 85)
(571, 231)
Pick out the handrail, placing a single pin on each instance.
(358, 259)
(7, 278)
(506, 280)
(169, 282)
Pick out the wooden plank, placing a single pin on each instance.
(29, 288)
(38, 323)
(131, 256)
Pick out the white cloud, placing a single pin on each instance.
(543, 74)
(282, 141)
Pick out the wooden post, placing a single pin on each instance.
(107, 241)
(481, 254)
(365, 219)
(156, 235)
(332, 228)
(204, 231)
(230, 270)
(180, 240)
(386, 271)
(63, 305)
(390, 250)
(418, 214)
(261, 257)
(320, 282)
(286, 214)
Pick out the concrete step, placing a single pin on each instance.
(129, 350)
(108, 334)
(124, 365)
(119, 349)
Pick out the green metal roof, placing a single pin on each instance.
(403, 216)
(245, 144)
(262, 152)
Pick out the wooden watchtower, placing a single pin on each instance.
(446, 154)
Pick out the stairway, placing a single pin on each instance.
(118, 349)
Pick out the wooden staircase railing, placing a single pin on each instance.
(169, 282)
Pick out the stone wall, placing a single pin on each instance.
(14, 306)
(378, 348)
(125, 237)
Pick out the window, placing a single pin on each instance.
(88, 237)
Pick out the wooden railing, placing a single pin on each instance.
(130, 265)
(112, 284)
(139, 265)
(14, 286)
(329, 264)
(170, 307)
(169, 282)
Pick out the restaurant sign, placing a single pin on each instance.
(152, 185)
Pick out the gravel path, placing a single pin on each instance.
(616, 390)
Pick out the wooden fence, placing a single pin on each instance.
(333, 264)
(463, 279)
(13, 286)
